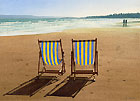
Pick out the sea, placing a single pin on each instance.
(28, 26)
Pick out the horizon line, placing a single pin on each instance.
(67, 16)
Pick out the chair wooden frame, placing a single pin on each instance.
(95, 67)
(59, 72)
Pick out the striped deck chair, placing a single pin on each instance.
(49, 55)
(84, 52)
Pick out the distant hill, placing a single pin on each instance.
(120, 15)
(23, 17)
(16, 16)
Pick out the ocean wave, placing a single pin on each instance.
(31, 26)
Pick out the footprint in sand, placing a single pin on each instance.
(108, 62)
(18, 60)
(91, 93)
(11, 73)
(108, 80)
(27, 64)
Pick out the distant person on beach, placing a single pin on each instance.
(124, 23)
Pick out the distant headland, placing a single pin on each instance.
(120, 15)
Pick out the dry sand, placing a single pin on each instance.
(119, 64)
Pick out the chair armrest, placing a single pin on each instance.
(72, 53)
(62, 52)
(96, 51)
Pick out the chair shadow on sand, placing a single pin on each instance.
(70, 87)
(32, 86)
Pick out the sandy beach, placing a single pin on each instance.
(119, 62)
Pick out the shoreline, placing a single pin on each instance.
(65, 30)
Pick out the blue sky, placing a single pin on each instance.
(75, 8)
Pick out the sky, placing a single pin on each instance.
(68, 8)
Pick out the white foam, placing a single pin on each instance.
(45, 26)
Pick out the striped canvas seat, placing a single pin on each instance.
(84, 52)
(49, 51)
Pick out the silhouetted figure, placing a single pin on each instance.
(124, 23)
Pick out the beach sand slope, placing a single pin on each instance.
(119, 64)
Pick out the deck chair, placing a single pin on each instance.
(84, 52)
(48, 54)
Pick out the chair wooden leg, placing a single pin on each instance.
(97, 63)
(74, 76)
(64, 68)
(71, 64)
(39, 64)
